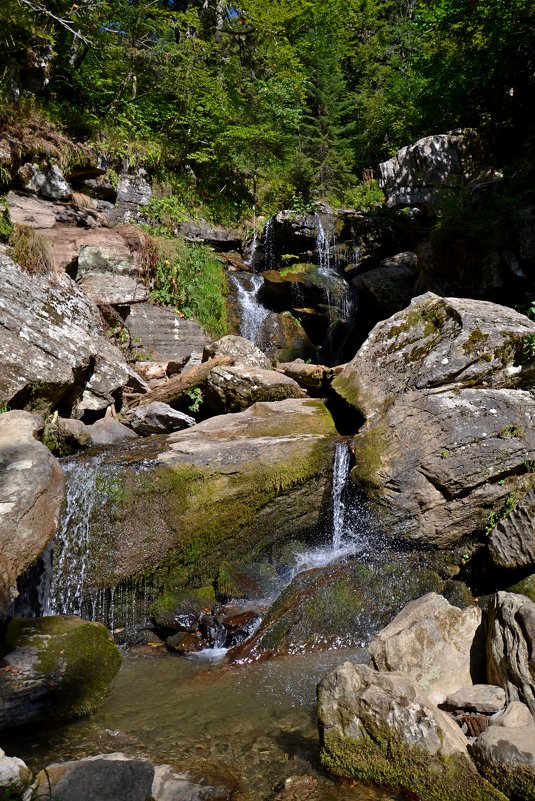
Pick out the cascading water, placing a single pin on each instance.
(251, 312)
(347, 537)
(337, 291)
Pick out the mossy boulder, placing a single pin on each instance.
(54, 669)
(375, 727)
(181, 610)
(525, 586)
(170, 510)
(448, 446)
(340, 605)
(284, 338)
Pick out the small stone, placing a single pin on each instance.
(483, 698)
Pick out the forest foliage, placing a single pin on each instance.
(279, 101)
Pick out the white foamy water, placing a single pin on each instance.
(251, 312)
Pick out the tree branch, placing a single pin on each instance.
(65, 23)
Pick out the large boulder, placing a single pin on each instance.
(438, 646)
(377, 727)
(158, 418)
(110, 274)
(53, 351)
(31, 497)
(105, 777)
(227, 489)
(241, 351)
(48, 181)
(133, 194)
(417, 171)
(54, 669)
(235, 388)
(448, 443)
(511, 646)
(389, 287)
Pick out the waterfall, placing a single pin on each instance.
(269, 246)
(349, 522)
(337, 292)
(71, 542)
(251, 313)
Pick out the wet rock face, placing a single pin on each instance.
(377, 727)
(31, 496)
(54, 669)
(414, 174)
(52, 347)
(226, 489)
(511, 647)
(448, 444)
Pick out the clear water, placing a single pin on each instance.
(258, 723)
(251, 312)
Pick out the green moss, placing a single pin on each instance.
(171, 603)
(476, 342)
(388, 761)
(297, 270)
(370, 450)
(512, 430)
(515, 780)
(525, 587)
(77, 658)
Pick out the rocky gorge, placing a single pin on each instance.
(345, 477)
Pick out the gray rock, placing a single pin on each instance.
(390, 286)
(52, 347)
(414, 174)
(448, 441)
(515, 715)
(240, 349)
(31, 497)
(483, 698)
(108, 431)
(315, 377)
(48, 182)
(163, 333)
(133, 193)
(235, 388)
(216, 236)
(106, 777)
(377, 726)
(158, 418)
(506, 756)
(54, 669)
(434, 644)
(512, 542)
(511, 647)
(110, 275)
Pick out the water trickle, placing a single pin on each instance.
(71, 543)
(251, 312)
(349, 520)
(269, 246)
(337, 292)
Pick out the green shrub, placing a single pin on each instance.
(6, 226)
(193, 280)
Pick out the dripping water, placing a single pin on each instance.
(341, 298)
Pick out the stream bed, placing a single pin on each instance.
(251, 727)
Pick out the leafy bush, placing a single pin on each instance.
(193, 280)
(31, 250)
(6, 226)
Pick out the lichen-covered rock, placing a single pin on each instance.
(133, 193)
(438, 646)
(52, 348)
(377, 727)
(235, 388)
(31, 497)
(110, 275)
(54, 669)
(511, 647)
(512, 541)
(506, 757)
(48, 182)
(105, 777)
(448, 441)
(417, 171)
(229, 488)
(241, 351)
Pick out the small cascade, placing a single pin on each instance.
(349, 524)
(269, 246)
(251, 312)
(71, 543)
(337, 292)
